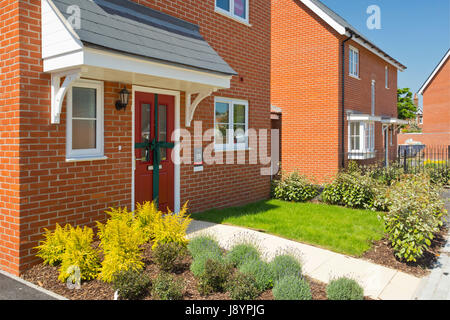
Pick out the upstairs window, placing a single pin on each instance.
(386, 77)
(237, 9)
(354, 62)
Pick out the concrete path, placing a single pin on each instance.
(15, 288)
(378, 282)
(436, 286)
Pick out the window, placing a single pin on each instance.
(85, 120)
(392, 136)
(354, 62)
(386, 76)
(230, 124)
(237, 9)
(361, 139)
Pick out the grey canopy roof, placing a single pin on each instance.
(135, 29)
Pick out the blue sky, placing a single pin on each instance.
(415, 32)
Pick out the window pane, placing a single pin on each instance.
(239, 133)
(222, 112)
(145, 122)
(162, 128)
(221, 135)
(239, 113)
(84, 134)
(240, 8)
(223, 4)
(84, 103)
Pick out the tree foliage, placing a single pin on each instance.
(405, 104)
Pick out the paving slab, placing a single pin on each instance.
(379, 282)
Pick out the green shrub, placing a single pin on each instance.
(242, 287)
(166, 287)
(131, 285)
(344, 289)
(199, 245)
(198, 265)
(352, 190)
(285, 265)
(51, 250)
(439, 175)
(415, 214)
(241, 253)
(261, 271)
(291, 288)
(79, 254)
(386, 175)
(168, 255)
(215, 276)
(294, 187)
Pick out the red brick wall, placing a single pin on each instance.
(38, 188)
(306, 85)
(358, 93)
(10, 63)
(436, 105)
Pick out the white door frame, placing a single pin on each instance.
(176, 159)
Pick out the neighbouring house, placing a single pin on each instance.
(435, 110)
(92, 95)
(337, 91)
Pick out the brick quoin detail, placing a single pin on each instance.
(38, 188)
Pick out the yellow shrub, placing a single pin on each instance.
(171, 228)
(120, 242)
(52, 248)
(146, 216)
(79, 253)
(121, 214)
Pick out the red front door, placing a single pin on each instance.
(147, 127)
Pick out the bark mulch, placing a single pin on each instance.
(47, 277)
(383, 254)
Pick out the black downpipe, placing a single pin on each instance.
(343, 99)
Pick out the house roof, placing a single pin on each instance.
(435, 72)
(131, 28)
(344, 28)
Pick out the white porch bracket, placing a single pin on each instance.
(191, 106)
(58, 91)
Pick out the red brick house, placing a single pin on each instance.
(70, 145)
(436, 108)
(337, 90)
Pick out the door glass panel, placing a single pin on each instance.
(162, 129)
(145, 126)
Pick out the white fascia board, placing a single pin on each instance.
(323, 15)
(433, 74)
(362, 117)
(111, 60)
(376, 52)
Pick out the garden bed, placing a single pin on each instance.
(383, 254)
(47, 277)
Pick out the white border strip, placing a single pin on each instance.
(33, 286)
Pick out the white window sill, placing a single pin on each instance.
(231, 148)
(229, 15)
(354, 77)
(363, 155)
(84, 159)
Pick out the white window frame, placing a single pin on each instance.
(386, 77)
(366, 140)
(373, 92)
(231, 145)
(94, 153)
(353, 70)
(231, 12)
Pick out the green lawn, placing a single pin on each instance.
(336, 228)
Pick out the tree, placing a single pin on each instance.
(405, 104)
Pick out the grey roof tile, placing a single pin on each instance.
(128, 27)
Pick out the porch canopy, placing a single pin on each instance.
(121, 41)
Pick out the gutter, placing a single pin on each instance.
(343, 98)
